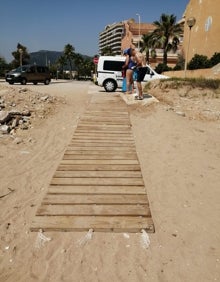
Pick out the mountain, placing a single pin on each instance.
(46, 57)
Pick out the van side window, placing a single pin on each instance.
(32, 69)
(113, 65)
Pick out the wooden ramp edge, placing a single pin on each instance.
(98, 184)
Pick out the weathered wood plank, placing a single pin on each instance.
(101, 210)
(97, 167)
(99, 162)
(103, 148)
(101, 174)
(100, 144)
(97, 181)
(104, 199)
(102, 141)
(103, 131)
(97, 223)
(99, 152)
(88, 189)
(69, 156)
(94, 136)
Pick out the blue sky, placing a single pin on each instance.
(49, 25)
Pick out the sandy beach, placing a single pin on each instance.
(177, 142)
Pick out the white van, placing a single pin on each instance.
(109, 72)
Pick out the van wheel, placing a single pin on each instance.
(23, 81)
(110, 85)
(11, 82)
(47, 81)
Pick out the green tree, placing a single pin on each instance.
(166, 35)
(107, 51)
(3, 66)
(148, 46)
(20, 53)
(69, 53)
(78, 60)
(61, 62)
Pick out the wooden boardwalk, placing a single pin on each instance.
(98, 184)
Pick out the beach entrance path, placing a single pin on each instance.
(98, 184)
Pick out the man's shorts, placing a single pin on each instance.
(141, 73)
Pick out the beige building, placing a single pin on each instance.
(204, 37)
(122, 35)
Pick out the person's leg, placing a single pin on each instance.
(129, 80)
(140, 92)
(140, 77)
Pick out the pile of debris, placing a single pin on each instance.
(21, 107)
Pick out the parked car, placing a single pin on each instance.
(109, 72)
(29, 73)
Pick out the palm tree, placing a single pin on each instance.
(17, 56)
(61, 62)
(78, 60)
(148, 46)
(69, 53)
(166, 34)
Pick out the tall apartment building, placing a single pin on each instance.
(205, 34)
(122, 35)
(111, 36)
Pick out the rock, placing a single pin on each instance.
(182, 114)
(23, 90)
(4, 116)
(17, 140)
(24, 126)
(4, 129)
(44, 98)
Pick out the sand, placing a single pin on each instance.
(180, 161)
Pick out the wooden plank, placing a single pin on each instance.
(74, 151)
(102, 141)
(96, 167)
(105, 120)
(69, 156)
(106, 128)
(100, 210)
(97, 223)
(117, 142)
(101, 144)
(101, 174)
(103, 137)
(99, 162)
(97, 181)
(103, 199)
(101, 149)
(88, 189)
(95, 131)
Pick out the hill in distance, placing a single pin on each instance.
(46, 57)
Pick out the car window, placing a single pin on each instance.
(113, 65)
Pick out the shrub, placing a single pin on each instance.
(215, 59)
(199, 62)
(161, 68)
